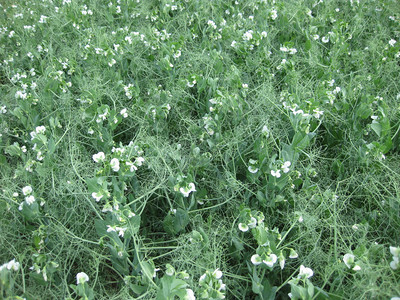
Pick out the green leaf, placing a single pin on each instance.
(386, 128)
(182, 219)
(137, 289)
(338, 167)
(298, 292)
(238, 244)
(260, 235)
(13, 150)
(30, 212)
(38, 278)
(100, 226)
(300, 141)
(147, 269)
(387, 145)
(51, 146)
(204, 235)
(42, 138)
(171, 287)
(261, 197)
(269, 291)
(256, 286)
(308, 45)
(364, 111)
(310, 289)
(95, 184)
(134, 224)
(322, 295)
(3, 160)
(174, 224)
(197, 236)
(376, 127)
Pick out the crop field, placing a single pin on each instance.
(199, 149)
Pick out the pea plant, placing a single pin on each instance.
(194, 149)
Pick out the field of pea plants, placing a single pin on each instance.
(200, 149)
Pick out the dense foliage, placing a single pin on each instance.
(199, 149)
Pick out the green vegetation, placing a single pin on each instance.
(198, 149)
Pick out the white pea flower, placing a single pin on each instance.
(112, 62)
(394, 264)
(27, 190)
(110, 228)
(248, 35)
(97, 196)
(10, 265)
(265, 130)
(124, 113)
(306, 272)
(285, 166)
(317, 113)
(217, 274)
(187, 190)
(212, 24)
(202, 278)
(256, 259)
(348, 260)
(276, 174)
(293, 254)
(99, 157)
(107, 208)
(252, 169)
(395, 251)
(30, 199)
(325, 39)
(243, 227)
(139, 161)
(39, 156)
(282, 260)
(131, 166)
(274, 14)
(336, 90)
(356, 268)
(270, 260)
(43, 19)
(121, 230)
(392, 42)
(40, 129)
(81, 278)
(13, 265)
(189, 295)
(253, 222)
(114, 163)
